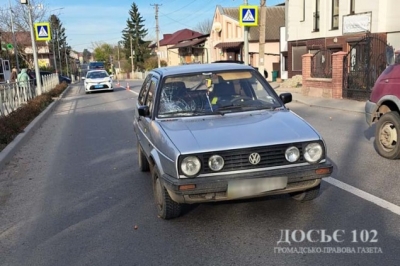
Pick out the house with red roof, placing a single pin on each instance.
(183, 47)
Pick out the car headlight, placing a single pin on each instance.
(216, 162)
(313, 152)
(190, 166)
(292, 154)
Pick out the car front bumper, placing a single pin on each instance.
(209, 189)
(370, 109)
(105, 86)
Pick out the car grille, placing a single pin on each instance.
(239, 159)
(98, 86)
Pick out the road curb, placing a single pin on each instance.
(9, 151)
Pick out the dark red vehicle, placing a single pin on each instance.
(383, 108)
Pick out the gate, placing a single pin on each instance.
(366, 60)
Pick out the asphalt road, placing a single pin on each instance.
(73, 196)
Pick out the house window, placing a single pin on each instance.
(352, 6)
(316, 16)
(297, 60)
(335, 14)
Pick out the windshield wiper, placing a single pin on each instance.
(185, 113)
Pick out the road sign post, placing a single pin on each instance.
(248, 17)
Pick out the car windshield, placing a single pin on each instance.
(97, 75)
(215, 93)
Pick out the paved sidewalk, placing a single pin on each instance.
(339, 104)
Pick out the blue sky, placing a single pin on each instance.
(103, 20)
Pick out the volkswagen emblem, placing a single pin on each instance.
(254, 158)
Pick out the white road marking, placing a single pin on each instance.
(364, 195)
(355, 191)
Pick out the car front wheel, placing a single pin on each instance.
(166, 207)
(307, 195)
(387, 142)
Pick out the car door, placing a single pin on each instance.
(144, 122)
(140, 102)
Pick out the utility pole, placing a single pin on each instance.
(34, 49)
(14, 39)
(246, 40)
(58, 48)
(66, 59)
(157, 34)
(261, 62)
(130, 35)
(54, 50)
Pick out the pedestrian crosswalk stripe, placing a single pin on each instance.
(43, 32)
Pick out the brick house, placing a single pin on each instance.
(334, 26)
(183, 47)
(227, 37)
(23, 39)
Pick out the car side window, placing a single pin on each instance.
(144, 90)
(150, 95)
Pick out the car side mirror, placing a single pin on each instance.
(112, 76)
(143, 110)
(83, 78)
(286, 97)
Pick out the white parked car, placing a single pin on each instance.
(98, 80)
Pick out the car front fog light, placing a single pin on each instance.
(216, 162)
(292, 154)
(190, 166)
(313, 152)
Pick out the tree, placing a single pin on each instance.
(20, 24)
(204, 26)
(86, 56)
(58, 44)
(135, 29)
(104, 52)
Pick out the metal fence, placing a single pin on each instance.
(14, 95)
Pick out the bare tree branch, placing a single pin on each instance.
(204, 26)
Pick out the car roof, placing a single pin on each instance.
(96, 70)
(195, 68)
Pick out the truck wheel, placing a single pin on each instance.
(166, 207)
(387, 142)
(307, 195)
(143, 162)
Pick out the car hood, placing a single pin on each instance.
(237, 130)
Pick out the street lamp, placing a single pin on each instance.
(14, 39)
(119, 62)
(34, 49)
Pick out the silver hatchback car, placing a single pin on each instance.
(217, 132)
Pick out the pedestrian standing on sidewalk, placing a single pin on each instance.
(14, 75)
(23, 78)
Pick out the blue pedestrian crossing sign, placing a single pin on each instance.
(248, 16)
(42, 31)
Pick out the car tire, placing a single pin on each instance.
(307, 195)
(387, 136)
(144, 165)
(166, 207)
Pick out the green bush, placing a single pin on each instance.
(15, 123)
